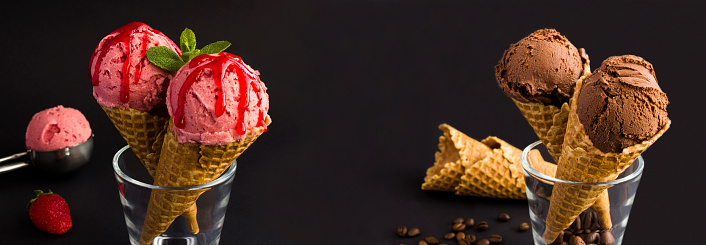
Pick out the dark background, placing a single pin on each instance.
(357, 90)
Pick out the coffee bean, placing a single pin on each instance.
(458, 220)
(606, 238)
(463, 242)
(481, 226)
(413, 232)
(503, 217)
(402, 231)
(590, 237)
(483, 242)
(470, 238)
(458, 227)
(587, 220)
(595, 226)
(576, 241)
(470, 222)
(523, 227)
(422, 243)
(460, 235)
(559, 238)
(450, 236)
(431, 240)
(495, 238)
(577, 224)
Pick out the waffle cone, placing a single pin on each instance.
(182, 165)
(580, 161)
(140, 130)
(602, 205)
(454, 149)
(498, 175)
(548, 121)
(144, 133)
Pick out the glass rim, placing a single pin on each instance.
(529, 169)
(230, 171)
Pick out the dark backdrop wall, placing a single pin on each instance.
(357, 90)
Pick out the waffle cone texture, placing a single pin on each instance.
(548, 121)
(140, 130)
(580, 161)
(465, 166)
(144, 133)
(183, 165)
(489, 168)
(455, 148)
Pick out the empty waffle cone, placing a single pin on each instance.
(580, 161)
(498, 175)
(454, 148)
(144, 133)
(203, 163)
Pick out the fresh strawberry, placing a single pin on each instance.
(49, 212)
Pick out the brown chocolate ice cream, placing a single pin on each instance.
(621, 104)
(542, 67)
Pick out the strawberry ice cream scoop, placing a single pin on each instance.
(214, 99)
(56, 128)
(120, 72)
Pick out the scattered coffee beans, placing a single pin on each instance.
(461, 224)
(503, 217)
(483, 242)
(481, 226)
(413, 232)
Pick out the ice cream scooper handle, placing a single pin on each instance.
(7, 167)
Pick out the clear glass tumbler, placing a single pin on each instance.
(135, 187)
(621, 195)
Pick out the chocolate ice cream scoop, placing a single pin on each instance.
(542, 67)
(621, 104)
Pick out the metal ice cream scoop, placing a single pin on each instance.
(59, 161)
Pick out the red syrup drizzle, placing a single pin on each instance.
(122, 35)
(219, 64)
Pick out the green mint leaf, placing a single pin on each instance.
(215, 48)
(164, 58)
(190, 55)
(187, 40)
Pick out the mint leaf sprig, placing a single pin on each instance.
(167, 59)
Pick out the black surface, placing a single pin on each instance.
(357, 91)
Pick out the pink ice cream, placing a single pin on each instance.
(215, 99)
(56, 128)
(120, 72)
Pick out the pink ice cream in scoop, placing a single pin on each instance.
(214, 99)
(56, 128)
(120, 72)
